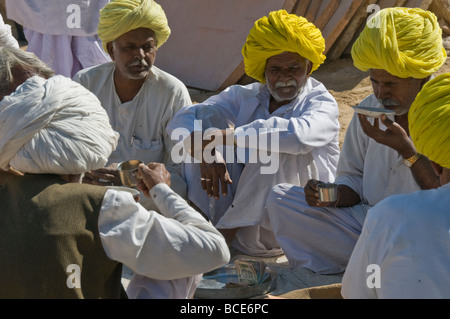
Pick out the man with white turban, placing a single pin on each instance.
(61, 33)
(401, 48)
(285, 127)
(404, 245)
(64, 239)
(140, 99)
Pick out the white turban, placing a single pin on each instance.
(54, 126)
(6, 37)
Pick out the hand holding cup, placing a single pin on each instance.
(150, 175)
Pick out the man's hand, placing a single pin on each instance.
(106, 176)
(215, 174)
(394, 136)
(346, 196)
(199, 143)
(213, 168)
(312, 194)
(152, 174)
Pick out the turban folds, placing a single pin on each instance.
(406, 42)
(277, 33)
(429, 120)
(121, 16)
(54, 126)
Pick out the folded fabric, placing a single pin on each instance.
(277, 33)
(54, 126)
(429, 120)
(406, 42)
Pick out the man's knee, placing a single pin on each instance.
(211, 118)
(275, 196)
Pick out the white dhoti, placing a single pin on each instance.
(141, 287)
(318, 238)
(244, 206)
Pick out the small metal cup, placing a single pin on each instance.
(128, 171)
(327, 192)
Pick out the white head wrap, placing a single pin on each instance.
(6, 37)
(54, 126)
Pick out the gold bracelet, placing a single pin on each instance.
(410, 161)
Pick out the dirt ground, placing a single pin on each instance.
(346, 83)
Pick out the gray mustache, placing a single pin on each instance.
(281, 84)
(388, 102)
(139, 63)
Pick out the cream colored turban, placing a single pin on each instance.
(277, 33)
(121, 16)
(429, 120)
(54, 126)
(406, 42)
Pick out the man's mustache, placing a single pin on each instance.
(282, 84)
(139, 63)
(388, 102)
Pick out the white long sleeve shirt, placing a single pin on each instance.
(177, 243)
(404, 249)
(309, 124)
(305, 132)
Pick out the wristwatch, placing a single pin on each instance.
(411, 160)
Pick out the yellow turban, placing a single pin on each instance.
(429, 120)
(278, 33)
(406, 42)
(121, 16)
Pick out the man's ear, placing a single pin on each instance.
(424, 81)
(309, 69)
(437, 168)
(109, 47)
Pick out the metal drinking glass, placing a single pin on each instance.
(327, 192)
(128, 171)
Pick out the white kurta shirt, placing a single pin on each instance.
(142, 121)
(375, 171)
(306, 132)
(175, 243)
(404, 248)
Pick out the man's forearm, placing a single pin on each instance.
(424, 173)
(346, 197)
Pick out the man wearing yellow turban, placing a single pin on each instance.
(407, 236)
(285, 127)
(140, 99)
(401, 48)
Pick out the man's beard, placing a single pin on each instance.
(281, 84)
(139, 63)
